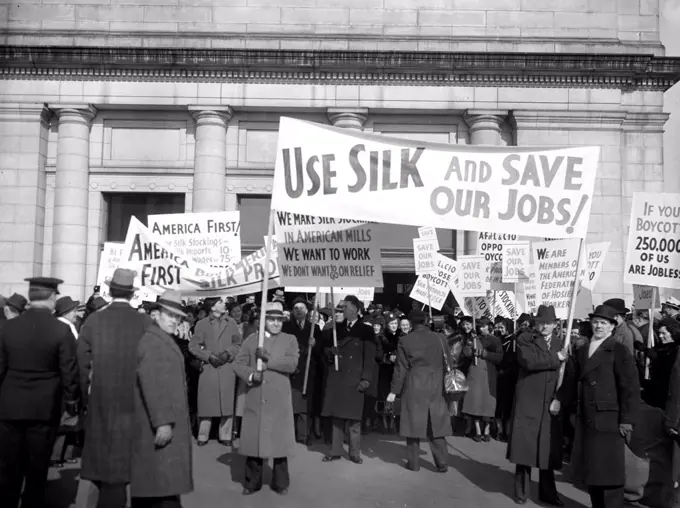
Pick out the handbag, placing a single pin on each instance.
(455, 382)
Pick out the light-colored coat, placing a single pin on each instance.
(216, 387)
(161, 399)
(268, 430)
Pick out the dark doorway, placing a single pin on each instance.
(125, 205)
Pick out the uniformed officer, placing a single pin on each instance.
(38, 378)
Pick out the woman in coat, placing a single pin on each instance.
(389, 342)
(419, 378)
(268, 430)
(216, 342)
(603, 379)
(161, 457)
(479, 404)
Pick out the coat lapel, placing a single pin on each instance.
(598, 357)
(167, 341)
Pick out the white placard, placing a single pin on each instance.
(473, 280)
(211, 239)
(109, 260)
(642, 297)
(516, 262)
(424, 255)
(596, 254)
(430, 233)
(439, 280)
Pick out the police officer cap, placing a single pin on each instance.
(49, 283)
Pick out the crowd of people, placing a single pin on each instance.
(130, 390)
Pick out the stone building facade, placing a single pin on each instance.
(117, 107)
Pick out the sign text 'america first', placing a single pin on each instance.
(365, 176)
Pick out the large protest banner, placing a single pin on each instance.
(556, 263)
(159, 268)
(365, 294)
(365, 176)
(653, 254)
(323, 251)
(439, 281)
(210, 239)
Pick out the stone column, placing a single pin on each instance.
(71, 197)
(210, 159)
(485, 129)
(348, 118)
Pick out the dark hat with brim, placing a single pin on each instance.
(618, 305)
(545, 314)
(604, 312)
(44, 283)
(98, 303)
(171, 301)
(672, 304)
(65, 305)
(122, 280)
(17, 302)
(340, 307)
(326, 311)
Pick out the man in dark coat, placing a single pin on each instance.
(422, 356)
(161, 459)
(535, 435)
(672, 426)
(602, 378)
(344, 395)
(507, 377)
(306, 334)
(107, 354)
(38, 378)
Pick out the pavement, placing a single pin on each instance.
(478, 476)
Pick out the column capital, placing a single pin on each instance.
(348, 118)
(485, 119)
(207, 113)
(71, 111)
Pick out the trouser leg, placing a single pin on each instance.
(438, 446)
(280, 476)
(413, 453)
(226, 428)
(12, 461)
(301, 427)
(522, 482)
(204, 426)
(254, 471)
(607, 496)
(547, 489)
(354, 431)
(338, 437)
(40, 439)
(157, 502)
(88, 494)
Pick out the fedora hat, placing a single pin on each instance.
(123, 280)
(673, 303)
(604, 312)
(545, 314)
(17, 302)
(64, 305)
(171, 301)
(618, 305)
(274, 310)
(340, 306)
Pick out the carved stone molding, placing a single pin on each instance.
(213, 115)
(530, 119)
(629, 72)
(348, 118)
(74, 112)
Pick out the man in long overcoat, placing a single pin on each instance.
(535, 434)
(161, 461)
(603, 379)
(38, 378)
(301, 327)
(344, 394)
(107, 355)
(268, 430)
(216, 342)
(422, 356)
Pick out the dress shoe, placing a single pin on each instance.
(486, 438)
(248, 492)
(520, 501)
(411, 467)
(356, 460)
(225, 442)
(201, 443)
(330, 458)
(552, 502)
(281, 492)
(442, 469)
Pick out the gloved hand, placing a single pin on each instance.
(626, 431)
(391, 398)
(215, 361)
(335, 351)
(262, 354)
(640, 346)
(257, 378)
(363, 386)
(225, 357)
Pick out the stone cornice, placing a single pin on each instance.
(630, 72)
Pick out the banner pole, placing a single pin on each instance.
(309, 344)
(515, 319)
(650, 332)
(265, 284)
(429, 301)
(335, 330)
(572, 310)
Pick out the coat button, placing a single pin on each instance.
(593, 383)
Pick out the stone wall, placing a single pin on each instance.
(465, 25)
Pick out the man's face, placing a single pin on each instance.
(483, 329)
(154, 314)
(546, 329)
(300, 311)
(273, 324)
(71, 316)
(218, 309)
(168, 321)
(286, 315)
(602, 328)
(669, 311)
(350, 311)
(393, 325)
(250, 299)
